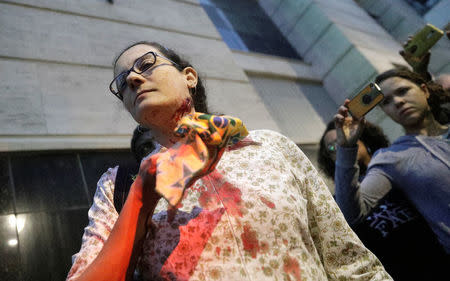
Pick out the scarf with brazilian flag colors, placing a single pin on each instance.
(204, 139)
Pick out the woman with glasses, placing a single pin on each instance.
(372, 138)
(260, 213)
(416, 165)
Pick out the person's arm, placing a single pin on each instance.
(355, 199)
(343, 255)
(419, 65)
(118, 255)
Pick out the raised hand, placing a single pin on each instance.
(419, 64)
(348, 129)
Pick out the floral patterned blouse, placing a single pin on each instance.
(264, 213)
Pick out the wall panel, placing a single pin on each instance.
(177, 16)
(300, 109)
(47, 35)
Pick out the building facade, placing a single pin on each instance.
(60, 128)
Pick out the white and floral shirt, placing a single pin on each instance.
(264, 213)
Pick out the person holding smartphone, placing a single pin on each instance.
(387, 228)
(416, 50)
(416, 164)
(424, 40)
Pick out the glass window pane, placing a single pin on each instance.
(47, 182)
(6, 198)
(96, 163)
(244, 25)
(9, 253)
(47, 242)
(422, 6)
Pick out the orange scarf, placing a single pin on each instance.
(204, 139)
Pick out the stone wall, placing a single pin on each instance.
(345, 46)
(56, 64)
(401, 21)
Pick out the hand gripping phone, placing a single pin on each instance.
(365, 100)
(423, 40)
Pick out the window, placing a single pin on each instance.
(45, 197)
(245, 26)
(422, 6)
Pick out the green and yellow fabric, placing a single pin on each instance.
(204, 139)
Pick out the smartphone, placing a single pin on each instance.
(423, 40)
(365, 100)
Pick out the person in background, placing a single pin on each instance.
(447, 30)
(371, 139)
(420, 66)
(416, 164)
(386, 230)
(444, 81)
(143, 143)
(258, 212)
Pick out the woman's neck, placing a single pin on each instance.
(166, 137)
(164, 132)
(427, 127)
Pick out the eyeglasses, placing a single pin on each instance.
(331, 148)
(140, 66)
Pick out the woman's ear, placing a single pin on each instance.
(424, 88)
(191, 76)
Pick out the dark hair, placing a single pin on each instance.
(198, 93)
(437, 94)
(372, 136)
(145, 148)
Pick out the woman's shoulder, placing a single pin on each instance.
(265, 133)
(110, 174)
(106, 183)
(269, 136)
(277, 143)
(393, 154)
(403, 147)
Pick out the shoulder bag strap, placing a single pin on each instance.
(124, 180)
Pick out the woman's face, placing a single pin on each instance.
(404, 101)
(160, 96)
